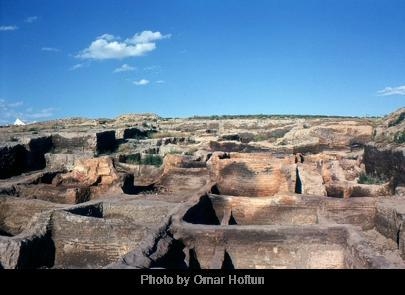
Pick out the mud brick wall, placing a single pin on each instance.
(262, 211)
(68, 143)
(106, 141)
(84, 242)
(272, 247)
(385, 162)
(390, 219)
(357, 211)
(37, 148)
(12, 160)
(16, 213)
(254, 175)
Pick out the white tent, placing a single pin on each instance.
(19, 122)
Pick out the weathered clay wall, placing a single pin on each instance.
(390, 221)
(17, 158)
(69, 143)
(12, 160)
(180, 180)
(55, 194)
(143, 212)
(99, 174)
(31, 248)
(100, 142)
(282, 210)
(359, 254)
(179, 161)
(37, 148)
(385, 162)
(262, 211)
(106, 141)
(16, 213)
(60, 162)
(125, 133)
(84, 242)
(231, 147)
(143, 174)
(356, 211)
(255, 175)
(271, 247)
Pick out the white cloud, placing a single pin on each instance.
(108, 37)
(104, 49)
(147, 37)
(160, 81)
(8, 28)
(6, 106)
(124, 68)
(10, 110)
(141, 82)
(44, 113)
(50, 49)
(76, 66)
(400, 90)
(153, 68)
(106, 46)
(31, 19)
(15, 104)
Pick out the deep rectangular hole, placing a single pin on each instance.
(47, 177)
(226, 210)
(398, 237)
(38, 252)
(130, 189)
(298, 183)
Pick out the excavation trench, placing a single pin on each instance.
(295, 231)
(311, 246)
(95, 235)
(226, 210)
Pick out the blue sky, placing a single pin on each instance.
(182, 58)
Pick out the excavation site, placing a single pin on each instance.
(244, 192)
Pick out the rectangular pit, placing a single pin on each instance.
(278, 247)
(97, 234)
(262, 211)
(88, 242)
(216, 209)
(62, 194)
(281, 210)
(16, 214)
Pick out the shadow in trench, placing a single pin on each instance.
(232, 220)
(174, 258)
(130, 189)
(227, 263)
(37, 253)
(193, 262)
(202, 213)
(298, 183)
(5, 234)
